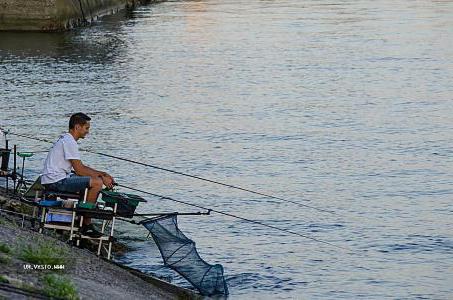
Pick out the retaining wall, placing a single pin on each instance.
(56, 15)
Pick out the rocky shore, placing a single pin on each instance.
(42, 266)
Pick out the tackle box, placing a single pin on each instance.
(126, 203)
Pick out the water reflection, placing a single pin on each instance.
(99, 43)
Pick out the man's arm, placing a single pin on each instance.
(82, 170)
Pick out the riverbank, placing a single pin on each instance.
(58, 15)
(30, 268)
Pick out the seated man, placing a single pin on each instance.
(63, 157)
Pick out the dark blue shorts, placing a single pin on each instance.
(73, 184)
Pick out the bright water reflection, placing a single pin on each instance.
(345, 105)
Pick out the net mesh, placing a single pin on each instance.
(179, 253)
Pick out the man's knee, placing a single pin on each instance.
(96, 183)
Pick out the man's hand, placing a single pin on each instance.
(108, 180)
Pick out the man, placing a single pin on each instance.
(65, 157)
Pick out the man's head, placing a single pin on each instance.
(79, 125)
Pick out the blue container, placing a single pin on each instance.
(56, 217)
(50, 203)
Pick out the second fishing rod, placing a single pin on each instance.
(186, 175)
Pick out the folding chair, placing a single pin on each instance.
(54, 214)
(89, 210)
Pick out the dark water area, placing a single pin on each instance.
(345, 106)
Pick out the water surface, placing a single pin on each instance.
(342, 105)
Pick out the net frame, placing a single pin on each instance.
(180, 254)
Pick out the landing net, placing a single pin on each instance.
(179, 253)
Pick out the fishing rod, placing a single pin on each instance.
(157, 215)
(210, 180)
(236, 217)
(198, 213)
(188, 175)
(204, 208)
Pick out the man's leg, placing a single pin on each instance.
(95, 188)
(93, 192)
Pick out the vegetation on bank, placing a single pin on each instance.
(59, 287)
(5, 248)
(38, 252)
(22, 250)
(42, 253)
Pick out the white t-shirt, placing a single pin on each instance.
(57, 165)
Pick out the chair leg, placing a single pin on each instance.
(80, 233)
(100, 241)
(81, 218)
(33, 217)
(111, 231)
(43, 216)
(71, 234)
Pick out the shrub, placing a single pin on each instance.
(44, 253)
(3, 279)
(4, 259)
(5, 248)
(59, 287)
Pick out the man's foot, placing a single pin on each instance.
(91, 231)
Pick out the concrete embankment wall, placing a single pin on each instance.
(56, 15)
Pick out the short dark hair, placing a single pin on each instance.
(78, 119)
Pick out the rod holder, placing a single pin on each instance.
(15, 167)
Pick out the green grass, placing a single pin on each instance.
(8, 223)
(4, 259)
(27, 287)
(59, 287)
(19, 284)
(44, 253)
(5, 248)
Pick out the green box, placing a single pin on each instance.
(86, 205)
(116, 197)
(126, 203)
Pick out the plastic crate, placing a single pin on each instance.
(56, 217)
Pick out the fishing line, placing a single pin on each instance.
(211, 181)
(237, 217)
(188, 175)
(343, 248)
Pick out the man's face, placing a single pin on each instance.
(83, 130)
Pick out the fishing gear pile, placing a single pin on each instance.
(180, 254)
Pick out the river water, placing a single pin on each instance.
(341, 105)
